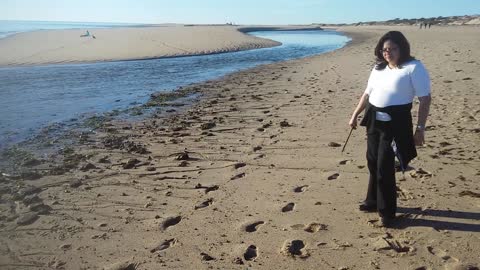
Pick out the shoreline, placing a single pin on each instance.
(237, 38)
(188, 91)
(85, 116)
(249, 171)
(82, 117)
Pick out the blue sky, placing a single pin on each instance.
(237, 11)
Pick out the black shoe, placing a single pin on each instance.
(387, 222)
(367, 207)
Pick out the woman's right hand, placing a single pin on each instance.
(360, 107)
(353, 122)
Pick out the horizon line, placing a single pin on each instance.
(157, 23)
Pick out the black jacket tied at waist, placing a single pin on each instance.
(402, 128)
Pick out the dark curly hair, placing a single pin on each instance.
(404, 48)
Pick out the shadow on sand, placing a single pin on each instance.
(409, 218)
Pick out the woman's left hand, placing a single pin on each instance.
(419, 137)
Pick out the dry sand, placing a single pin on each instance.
(113, 44)
(261, 186)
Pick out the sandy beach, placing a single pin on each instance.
(128, 43)
(252, 175)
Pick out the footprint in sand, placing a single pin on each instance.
(300, 189)
(444, 144)
(259, 156)
(211, 188)
(461, 266)
(207, 188)
(421, 173)
(164, 245)
(27, 218)
(442, 254)
(334, 144)
(204, 204)
(251, 253)
(333, 176)
(315, 227)
(206, 257)
(311, 227)
(253, 227)
(239, 165)
(170, 221)
(295, 248)
(344, 162)
(469, 193)
(289, 207)
(404, 195)
(237, 176)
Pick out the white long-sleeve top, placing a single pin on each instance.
(398, 86)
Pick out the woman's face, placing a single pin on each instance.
(391, 52)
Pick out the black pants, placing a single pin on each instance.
(382, 189)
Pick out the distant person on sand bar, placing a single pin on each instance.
(394, 81)
(87, 34)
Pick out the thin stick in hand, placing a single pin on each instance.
(345, 144)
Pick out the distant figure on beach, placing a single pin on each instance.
(394, 81)
(421, 24)
(429, 25)
(87, 34)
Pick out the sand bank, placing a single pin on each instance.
(133, 43)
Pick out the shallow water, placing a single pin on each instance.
(32, 97)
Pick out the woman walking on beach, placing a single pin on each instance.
(395, 80)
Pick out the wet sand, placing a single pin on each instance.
(253, 176)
